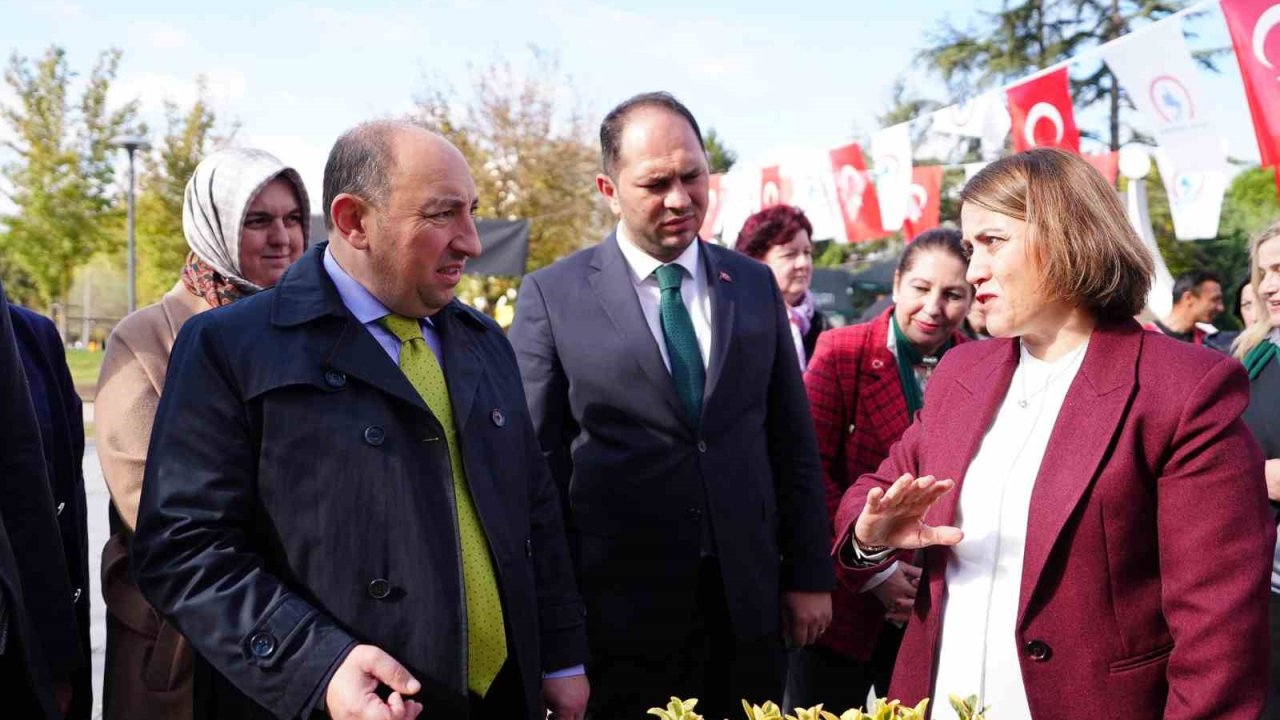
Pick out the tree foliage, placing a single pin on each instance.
(162, 247)
(62, 182)
(719, 156)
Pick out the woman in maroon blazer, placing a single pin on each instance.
(1097, 539)
(865, 382)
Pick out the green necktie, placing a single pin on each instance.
(486, 634)
(687, 370)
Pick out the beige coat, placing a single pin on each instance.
(129, 391)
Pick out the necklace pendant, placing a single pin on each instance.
(1022, 404)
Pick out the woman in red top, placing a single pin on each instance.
(865, 384)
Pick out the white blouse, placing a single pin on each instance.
(979, 652)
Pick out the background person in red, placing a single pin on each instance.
(782, 238)
(865, 383)
(1097, 535)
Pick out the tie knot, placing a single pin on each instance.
(669, 276)
(405, 329)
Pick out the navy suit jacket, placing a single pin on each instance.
(641, 480)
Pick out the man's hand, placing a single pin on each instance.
(352, 692)
(805, 616)
(898, 592)
(1273, 479)
(895, 517)
(566, 697)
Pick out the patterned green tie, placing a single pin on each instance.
(687, 370)
(486, 634)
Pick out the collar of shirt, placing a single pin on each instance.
(643, 264)
(368, 310)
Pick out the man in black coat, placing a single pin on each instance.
(299, 521)
(40, 652)
(61, 421)
(662, 378)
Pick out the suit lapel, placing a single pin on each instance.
(463, 366)
(612, 283)
(1090, 417)
(721, 291)
(358, 355)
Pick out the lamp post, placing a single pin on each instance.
(132, 144)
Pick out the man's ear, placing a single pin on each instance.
(609, 190)
(351, 216)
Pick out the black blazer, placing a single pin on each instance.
(61, 421)
(35, 595)
(298, 499)
(640, 480)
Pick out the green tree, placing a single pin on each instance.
(162, 247)
(62, 180)
(533, 157)
(719, 155)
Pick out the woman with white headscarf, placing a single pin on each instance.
(245, 217)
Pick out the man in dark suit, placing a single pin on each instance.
(662, 379)
(39, 650)
(61, 422)
(344, 491)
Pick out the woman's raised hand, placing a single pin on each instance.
(895, 517)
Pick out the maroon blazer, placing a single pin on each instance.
(859, 412)
(1146, 576)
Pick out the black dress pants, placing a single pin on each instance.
(817, 675)
(709, 663)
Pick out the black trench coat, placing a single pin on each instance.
(298, 499)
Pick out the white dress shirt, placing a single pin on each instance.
(979, 650)
(694, 291)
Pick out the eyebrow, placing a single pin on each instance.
(447, 201)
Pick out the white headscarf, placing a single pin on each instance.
(217, 197)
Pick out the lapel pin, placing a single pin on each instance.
(725, 276)
(877, 363)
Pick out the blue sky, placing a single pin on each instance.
(766, 75)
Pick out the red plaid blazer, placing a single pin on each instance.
(859, 413)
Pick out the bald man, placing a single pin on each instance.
(345, 507)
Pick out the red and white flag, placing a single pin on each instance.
(1042, 113)
(855, 194)
(771, 189)
(1107, 164)
(715, 199)
(1255, 33)
(924, 201)
(891, 158)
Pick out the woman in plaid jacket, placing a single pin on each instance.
(865, 384)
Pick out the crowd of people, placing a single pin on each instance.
(338, 491)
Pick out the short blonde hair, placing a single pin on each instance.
(1256, 333)
(1077, 232)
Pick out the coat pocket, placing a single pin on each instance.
(1139, 661)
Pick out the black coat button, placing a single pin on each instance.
(335, 378)
(375, 435)
(262, 644)
(498, 418)
(528, 548)
(379, 589)
(1039, 650)
(694, 513)
(702, 446)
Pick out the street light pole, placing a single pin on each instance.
(131, 145)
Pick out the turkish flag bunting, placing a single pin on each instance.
(924, 206)
(1042, 113)
(856, 193)
(771, 187)
(1255, 33)
(1107, 164)
(715, 200)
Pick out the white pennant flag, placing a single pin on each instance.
(891, 168)
(985, 116)
(1195, 196)
(1156, 70)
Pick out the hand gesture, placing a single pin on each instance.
(895, 517)
(352, 692)
(566, 697)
